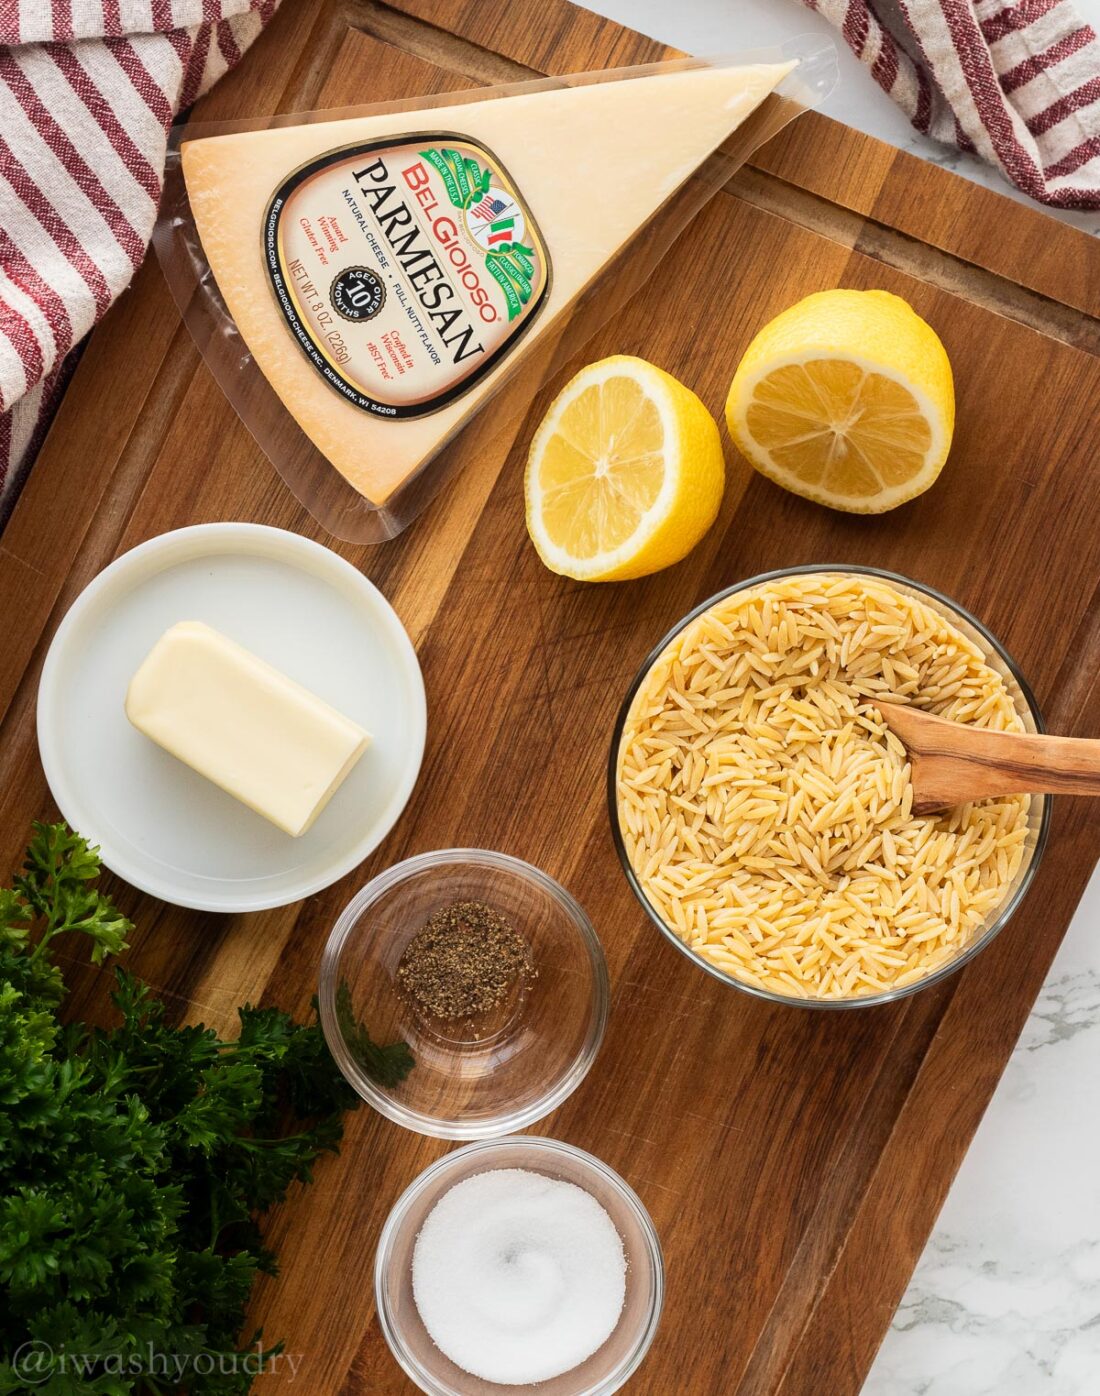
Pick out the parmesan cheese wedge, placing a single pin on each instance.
(382, 269)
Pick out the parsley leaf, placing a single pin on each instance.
(387, 1065)
(136, 1162)
(54, 886)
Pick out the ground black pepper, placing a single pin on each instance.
(463, 962)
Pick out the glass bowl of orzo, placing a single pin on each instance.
(761, 809)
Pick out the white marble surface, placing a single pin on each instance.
(723, 26)
(1006, 1299)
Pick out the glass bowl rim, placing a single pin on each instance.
(505, 1122)
(770, 996)
(447, 1163)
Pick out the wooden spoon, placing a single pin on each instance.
(953, 763)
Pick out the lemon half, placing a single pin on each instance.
(625, 473)
(846, 398)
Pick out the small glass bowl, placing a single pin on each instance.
(611, 1365)
(996, 656)
(519, 1062)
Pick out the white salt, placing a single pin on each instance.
(518, 1277)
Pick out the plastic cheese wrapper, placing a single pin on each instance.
(364, 282)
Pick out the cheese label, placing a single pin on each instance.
(405, 268)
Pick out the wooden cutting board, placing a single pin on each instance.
(793, 1162)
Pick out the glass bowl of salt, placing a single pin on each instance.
(518, 1261)
(464, 993)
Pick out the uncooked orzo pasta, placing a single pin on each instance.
(766, 810)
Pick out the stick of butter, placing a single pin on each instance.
(258, 735)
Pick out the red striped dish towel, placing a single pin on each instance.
(88, 91)
(1018, 83)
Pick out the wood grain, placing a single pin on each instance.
(794, 1162)
(953, 763)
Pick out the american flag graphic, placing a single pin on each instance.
(489, 208)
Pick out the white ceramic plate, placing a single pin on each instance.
(292, 602)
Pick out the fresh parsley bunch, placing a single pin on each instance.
(134, 1162)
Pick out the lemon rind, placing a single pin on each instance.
(659, 391)
(890, 497)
